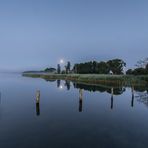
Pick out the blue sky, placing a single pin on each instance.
(35, 34)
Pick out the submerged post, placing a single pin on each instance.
(132, 101)
(38, 103)
(80, 99)
(112, 98)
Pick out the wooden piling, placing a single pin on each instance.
(38, 103)
(38, 96)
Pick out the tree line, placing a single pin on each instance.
(114, 66)
(141, 68)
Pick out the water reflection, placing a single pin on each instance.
(0, 97)
(132, 101)
(80, 99)
(143, 97)
(58, 83)
(112, 98)
(117, 90)
(112, 90)
(67, 84)
(38, 103)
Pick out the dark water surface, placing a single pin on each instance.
(70, 115)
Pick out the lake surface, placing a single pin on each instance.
(70, 115)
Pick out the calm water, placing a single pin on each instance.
(70, 115)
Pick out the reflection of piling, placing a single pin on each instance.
(132, 101)
(0, 97)
(58, 83)
(37, 109)
(80, 99)
(38, 103)
(112, 98)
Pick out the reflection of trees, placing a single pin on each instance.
(117, 91)
(58, 83)
(143, 97)
(67, 84)
(140, 88)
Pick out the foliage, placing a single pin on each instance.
(67, 67)
(142, 63)
(116, 65)
(50, 70)
(137, 71)
(129, 72)
(58, 69)
(141, 70)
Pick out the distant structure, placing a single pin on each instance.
(111, 72)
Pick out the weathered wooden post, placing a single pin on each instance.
(112, 98)
(132, 101)
(38, 103)
(80, 99)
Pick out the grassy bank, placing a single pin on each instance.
(126, 80)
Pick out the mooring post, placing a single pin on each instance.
(38, 103)
(132, 101)
(80, 99)
(112, 98)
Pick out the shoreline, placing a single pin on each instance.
(94, 79)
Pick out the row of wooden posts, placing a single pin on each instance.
(81, 100)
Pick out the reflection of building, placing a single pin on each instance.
(80, 99)
(38, 103)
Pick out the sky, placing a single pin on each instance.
(35, 34)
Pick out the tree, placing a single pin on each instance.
(146, 67)
(102, 68)
(94, 66)
(129, 72)
(68, 66)
(58, 69)
(142, 63)
(116, 66)
(50, 70)
(140, 71)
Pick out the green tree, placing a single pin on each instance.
(129, 72)
(58, 69)
(116, 66)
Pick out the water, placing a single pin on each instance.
(69, 117)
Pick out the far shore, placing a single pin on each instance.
(107, 79)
